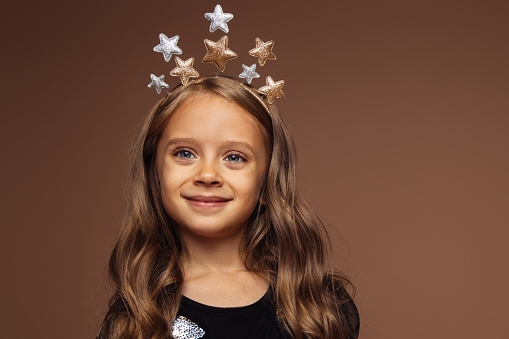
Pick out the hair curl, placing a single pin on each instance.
(284, 240)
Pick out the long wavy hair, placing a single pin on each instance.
(284, 241)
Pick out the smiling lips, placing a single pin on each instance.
(207, 201)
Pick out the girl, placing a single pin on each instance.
(217, 242)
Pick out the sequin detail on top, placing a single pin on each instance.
(184, 328)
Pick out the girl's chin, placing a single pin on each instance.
(211, 230)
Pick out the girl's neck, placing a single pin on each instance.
(215, 274)
(204, 254)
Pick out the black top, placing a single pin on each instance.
(255, 321)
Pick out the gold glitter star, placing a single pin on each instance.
(184, 70)
(263, 51)
(272, 90)
(218, 52)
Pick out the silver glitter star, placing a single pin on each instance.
(158, 83)
(184, 328)
(218, 19)
(249, 73)
(168, 46)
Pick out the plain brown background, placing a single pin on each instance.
(399, 109)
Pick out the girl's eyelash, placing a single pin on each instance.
(241, 157)
(186, 153)
(178, 153)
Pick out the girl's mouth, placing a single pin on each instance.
(207, 201)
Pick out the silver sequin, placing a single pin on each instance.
(184, 328)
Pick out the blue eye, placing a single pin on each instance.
(185, 154)
(234, 158)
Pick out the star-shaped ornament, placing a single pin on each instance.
(168, 46)
(184, 70)
(218, 52)
(272, 90)
(218, 19)
(249, 72)
(158, 83)
(263, 51)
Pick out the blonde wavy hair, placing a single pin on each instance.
(284, 241)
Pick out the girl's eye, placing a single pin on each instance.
(185, 154)
(234, 158)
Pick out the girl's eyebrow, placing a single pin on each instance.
(172, 142)
(240, 144)
(229, 143)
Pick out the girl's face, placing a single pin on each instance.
(211, 162)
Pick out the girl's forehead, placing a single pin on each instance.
(211, 117)
(208, 109)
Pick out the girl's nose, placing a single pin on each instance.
(208, 174)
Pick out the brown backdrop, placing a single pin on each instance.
(399, 109)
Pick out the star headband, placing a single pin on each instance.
(219, 54)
